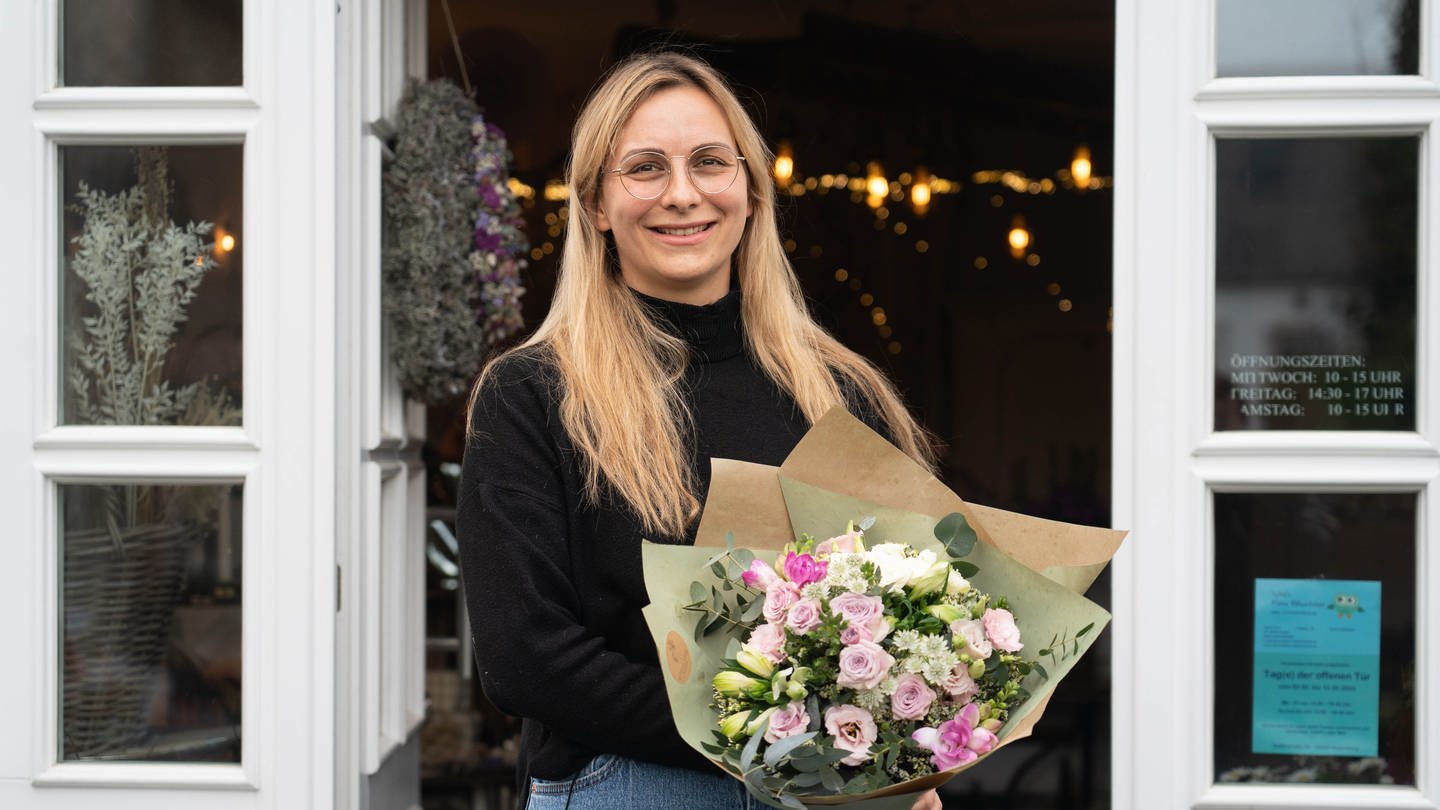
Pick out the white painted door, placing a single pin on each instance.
(1276, 419)
(167, 455)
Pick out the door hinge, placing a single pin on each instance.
(337, 588)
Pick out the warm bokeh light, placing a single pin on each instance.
(784, 163)
(1019, 237)
(1080, 167)
(877, 188)
(226, 243)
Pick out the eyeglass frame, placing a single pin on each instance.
(670, 172)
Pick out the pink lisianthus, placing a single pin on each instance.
(778, 600)
(854, 730)
(760, 576)
(803, 616)
(857, 608)
(790, 719)
(845, 543)
(803, 569)
(959, 686)
(957, 741)
(912, 697)
(768, 640)
(972, 632)
(1001, 630)
(863, 665)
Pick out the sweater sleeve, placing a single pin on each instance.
(536, 657)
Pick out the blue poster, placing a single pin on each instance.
(1317, 667)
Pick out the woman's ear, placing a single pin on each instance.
(602, 222)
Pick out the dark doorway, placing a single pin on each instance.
(1003, 352)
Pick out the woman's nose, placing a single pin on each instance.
(680, 191)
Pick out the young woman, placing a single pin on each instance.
(677, 333)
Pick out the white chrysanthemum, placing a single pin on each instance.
(934, 668)
(818, 591)
(906, 640)
(871, 700)
(845, 573)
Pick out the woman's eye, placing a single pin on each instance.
(647, 167)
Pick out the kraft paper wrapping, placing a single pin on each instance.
(841, 470)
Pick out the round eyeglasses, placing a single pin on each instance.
(646, 175)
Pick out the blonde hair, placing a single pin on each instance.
(621, 402)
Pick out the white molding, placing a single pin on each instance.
(146, 100)
(151, 125)
(108, 438)
(169, 776)
(1332, 90)
(1312, 797)
(1317, 442)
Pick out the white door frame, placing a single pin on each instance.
(284, 454)
(1167, 459)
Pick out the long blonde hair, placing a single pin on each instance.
(621, 403)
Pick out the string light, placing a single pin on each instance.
(1019, 237)
(225, 242)
(1080, 167)
(784, 164)
(876, 186)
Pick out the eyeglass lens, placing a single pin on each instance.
(712, 169)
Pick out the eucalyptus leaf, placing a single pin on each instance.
(831, 779)
(805, 780)
(954, 532)
(729, 541)
(866, 522)
(698, 592)
(744, 557)
(965, 569)
(783, 746)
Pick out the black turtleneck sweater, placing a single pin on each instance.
(554, 584)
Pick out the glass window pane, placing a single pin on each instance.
(1315, 638)
(1315, 283)
(152, 291)
(1317, 37)
(129, 43)
(151, 607)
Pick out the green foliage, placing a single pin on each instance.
(140, 272)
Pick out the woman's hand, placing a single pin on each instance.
(929, 800)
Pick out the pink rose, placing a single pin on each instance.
(863, 665)
(768, 640)
(853, 729)
(760, 576)
(802, 569)
(956, 741)
(789, 719)
(803, 616)
(959, 686)
(912, 697)
(778, 600)
(854, 634)
(857, 608)
(1000, 628)
(972, 632)
(845, 543)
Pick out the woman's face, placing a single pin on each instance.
(678, 245)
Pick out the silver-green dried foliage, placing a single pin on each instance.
(437, 341)
(139, 271)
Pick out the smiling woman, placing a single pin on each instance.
(678, 332)
(675, 231)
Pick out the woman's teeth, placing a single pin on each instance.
(682, 231)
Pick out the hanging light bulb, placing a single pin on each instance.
(920, 192)
(784, 164)
(1019, 237)
(1080, 167)
(877, 188)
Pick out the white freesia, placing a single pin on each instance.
(896, 569)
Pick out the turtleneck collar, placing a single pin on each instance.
(714, 331)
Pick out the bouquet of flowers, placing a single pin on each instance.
(875, 664)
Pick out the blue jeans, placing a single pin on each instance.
(610, 782)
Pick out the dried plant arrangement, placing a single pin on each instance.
(140, 271)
